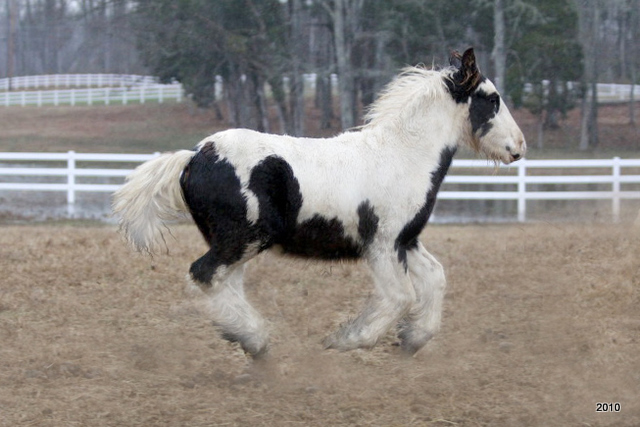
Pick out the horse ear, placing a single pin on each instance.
(469, 69)
(455, 60)
(469, 61)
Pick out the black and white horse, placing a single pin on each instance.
(364, 194)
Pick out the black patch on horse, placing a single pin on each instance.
(484, 107)
(211, 190)
(279, 200)
(408, 237)
(319, 237)
(367, 223)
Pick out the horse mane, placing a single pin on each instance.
(401, 92)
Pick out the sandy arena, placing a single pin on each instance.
(541, 323)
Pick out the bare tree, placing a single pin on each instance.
(322, 58)
(12, 12)
(589, 27)
(499, 53)
(296, 77)
(345, 18)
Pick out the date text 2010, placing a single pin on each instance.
(607, 407)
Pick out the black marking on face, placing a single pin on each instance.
(211, 190)
(408, 237)
(459, 91)
(483, 108)
(466, 76)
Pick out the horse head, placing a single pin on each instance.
(491, 128)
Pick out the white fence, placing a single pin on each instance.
(90, 96)
(76, 80)
(610, 92)
(123, 88)
(614, 174)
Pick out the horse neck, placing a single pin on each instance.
(420, 132)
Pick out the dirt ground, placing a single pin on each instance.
(541, 322)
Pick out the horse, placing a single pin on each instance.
(365, 194)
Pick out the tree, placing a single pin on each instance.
(193, 41)
(345, 18)
(296, 77)
(589, 25)
(547, 57)
(499, 52)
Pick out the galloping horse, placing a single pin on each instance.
(363, 194)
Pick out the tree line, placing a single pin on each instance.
(544, 55)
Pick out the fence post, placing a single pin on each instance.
(522, 191)
(71, 177)
(615, 188)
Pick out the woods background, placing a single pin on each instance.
(544, 55)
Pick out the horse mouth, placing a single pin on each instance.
(513, 155)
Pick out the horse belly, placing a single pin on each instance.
(319, 237)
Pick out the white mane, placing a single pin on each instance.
(412, 88)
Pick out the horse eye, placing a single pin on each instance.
(495, 102)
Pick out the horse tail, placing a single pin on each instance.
(150, 197)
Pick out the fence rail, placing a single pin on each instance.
(601, 171)
(526, 180)
(76, 80)
(90, 96)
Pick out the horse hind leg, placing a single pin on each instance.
(215, 266)
(222, 282)
(423, 320)
(237, 320)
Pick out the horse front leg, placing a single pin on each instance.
(391, 300)
(423, 320)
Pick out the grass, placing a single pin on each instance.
(129, 129)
